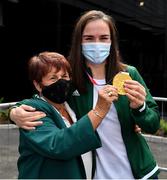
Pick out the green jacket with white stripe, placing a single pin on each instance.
(53, 151)
(139, 154)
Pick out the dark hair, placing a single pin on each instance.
(76, 58)
(41, 64)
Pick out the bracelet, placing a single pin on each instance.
(97, 114)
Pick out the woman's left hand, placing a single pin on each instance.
(135, 92)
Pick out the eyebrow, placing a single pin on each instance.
(103, 35)
(87, 35)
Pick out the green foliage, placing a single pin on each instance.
(3, 113)
(163, 128)
(1, 99)
(163, 125)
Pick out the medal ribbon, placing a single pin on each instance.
(93, 81)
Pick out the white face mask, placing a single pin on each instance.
(96, 52)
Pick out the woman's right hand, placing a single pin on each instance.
(26, 117)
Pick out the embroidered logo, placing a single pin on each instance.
(75, 93)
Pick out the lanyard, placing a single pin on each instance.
(93, 81)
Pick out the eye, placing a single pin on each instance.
(87, 38)
(53, 78)
(105, 38)
(65, 76)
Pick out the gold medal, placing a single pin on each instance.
(118, 81)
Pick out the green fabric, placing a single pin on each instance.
(52, 151)
(139, 154)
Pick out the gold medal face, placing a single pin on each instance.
(118, 81)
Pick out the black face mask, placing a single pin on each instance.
(58, 92)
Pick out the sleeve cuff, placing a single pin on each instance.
(14, 106)
(143, 107)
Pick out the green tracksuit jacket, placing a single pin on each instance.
(139, 154)
(52, 151)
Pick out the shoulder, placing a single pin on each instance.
(133, 72)
(131, 68)
(35, 102)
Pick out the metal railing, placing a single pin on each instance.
(7, 105)
(162, 100)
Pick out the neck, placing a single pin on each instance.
(98, 70)
(58, 106)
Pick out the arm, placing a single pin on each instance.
(61, 143)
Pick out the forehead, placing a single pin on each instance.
(96, 27)
(56, 71)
